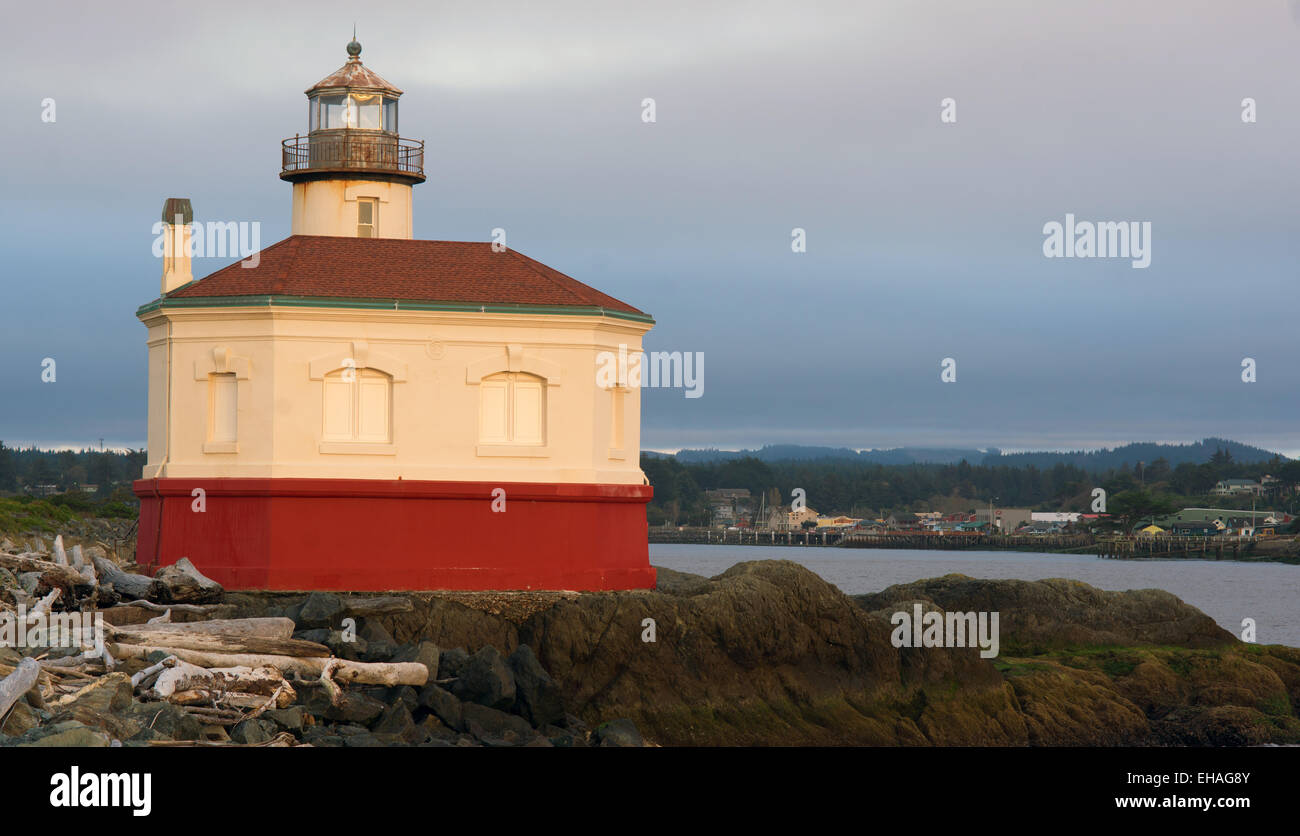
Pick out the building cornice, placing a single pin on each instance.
(273, 301)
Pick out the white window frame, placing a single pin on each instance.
(373, 226)
(516, 361)
(512, 384)
(359, 359)
(220, 360)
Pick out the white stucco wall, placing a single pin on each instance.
(278, 356)
(329, 207)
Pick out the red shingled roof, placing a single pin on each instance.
(397, 268)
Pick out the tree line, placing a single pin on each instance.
(30, 470)
(837, 486)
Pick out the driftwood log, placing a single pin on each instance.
(182, 583)
(132, 586)
(50, 571)
(197, 609)
(310, 667)
(273, 627)
(13, 686)
(218, 642)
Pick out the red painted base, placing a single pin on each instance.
(375, 535)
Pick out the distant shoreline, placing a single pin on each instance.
(1279, 550)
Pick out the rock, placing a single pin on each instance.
(424, 652)
(762, 654)
(256, 730)
(444, 705)
(496, 724)
(287, 719)
(321, 609)
(618, 733)
(537, 697)
(320, 736)
(167, 721)
(563, 738)
(434, 729)
(21, 718)
(486, 679)
(451, 661)
(372, 631)
(354, 649)
(109, 694)
(8, 580)
(30, 582)
(353, 707)
(358, 737)
(77, 737)
(396, 722)
(672, 582)
(403, 694)
(319, 635)
(380, 646)
(1056, 613)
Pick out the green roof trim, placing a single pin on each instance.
(381, 304)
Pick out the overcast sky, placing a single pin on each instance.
(924, 238)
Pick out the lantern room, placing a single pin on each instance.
(352, 172)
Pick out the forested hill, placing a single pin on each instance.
(1097, 461)
(1093, 461)
(799, 452)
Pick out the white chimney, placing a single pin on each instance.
(177, 218)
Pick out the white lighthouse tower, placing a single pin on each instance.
(352, 173)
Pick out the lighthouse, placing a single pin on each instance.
(357, 408)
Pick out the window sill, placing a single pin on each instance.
(357, 448)
(221, 447)
(518, 451)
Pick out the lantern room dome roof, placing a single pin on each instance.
(353, 75)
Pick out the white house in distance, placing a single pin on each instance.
(355, 408)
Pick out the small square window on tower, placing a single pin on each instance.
(367, 209)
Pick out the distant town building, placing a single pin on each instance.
(780, 519)
(1235, 487)
(730, 505)
(837, 522)
(1005, 519)
(1055, 516)
(1226, 516)
(903, 520)
(1196, 528)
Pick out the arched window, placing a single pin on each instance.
(358, 406)
(512, 409)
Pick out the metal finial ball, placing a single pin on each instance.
(354, 48)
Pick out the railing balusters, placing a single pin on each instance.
(353, 151)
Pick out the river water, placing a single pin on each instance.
(1225, 590)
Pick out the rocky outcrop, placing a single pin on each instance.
(767, 653)
(1036, 616)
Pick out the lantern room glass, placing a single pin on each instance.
(390, 114)
(360, 111)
